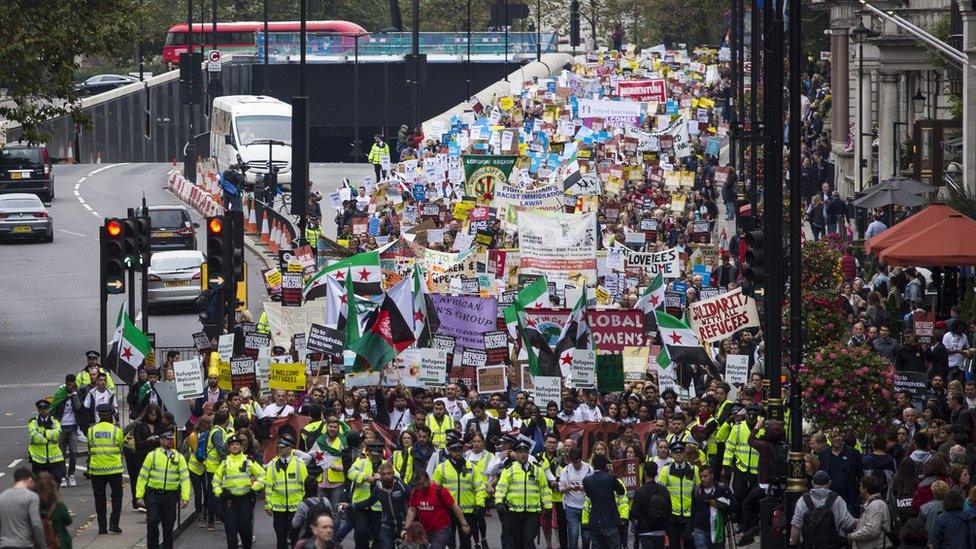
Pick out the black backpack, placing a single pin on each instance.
(780, 469)
(658, 506)
(316, 506)
(819, 530)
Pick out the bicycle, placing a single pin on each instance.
(284, 200)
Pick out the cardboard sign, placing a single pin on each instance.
(491, 379)
(201, 342)
(323, 339)
(272, 281)
(242, 372)
(737, 369)
(610, 373)
(635, 363)
(546, 389)
(189, 378)
(916, 383)
(254, 342)
(433, 368)
(496, 345)
(923, 324)
(291, 289)
(287, 376)
(722, 316)
(474, 358)
(626, 471)
(583, 369)
(225, 347)
(525, 378)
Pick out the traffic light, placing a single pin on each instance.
(130, 234)
(218, 251)
(574, 23)
(236, 238)
(113, 256)
(143, 230)
(753, 270)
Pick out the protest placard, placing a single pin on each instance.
(201, 342)
(635, 363)
(242, 372)
(291, 289)
(189, 378)
(915, 383)
(667, 262)
(546, 389)
(614, 329)
(262, 370)
(923, 324)
(433, 368)
(583, 369)
(326, 340)
(254, 342)
(225, 346)
(496, 345)
(626, 471)
(724, 315)
(736, 369)
(474, 358)
(610, 373)
(491, 379)
(287, 376)
(223, 375)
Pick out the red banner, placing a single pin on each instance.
(643, 90)
(627, 471)
(294, 423)
(614, 329)
(588, 433)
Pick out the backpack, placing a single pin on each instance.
(779, 471)
(50, 538)
(315, 507)
(658, 506)
(201, 450)
(819, 530)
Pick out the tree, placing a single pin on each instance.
(43, 41)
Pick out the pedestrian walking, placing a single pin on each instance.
(216, 450)
(432, 505)
(522, 493)
(164, 482)
(603, 489)
(237, 481)
(54, 513)
(284, 489)
(105, 467)
(323, 528)
(376, 155)
(68, 407)
(44, 438)
(20, 514)
(681, 479)
(821, 517)
(465, 484)
(651, 510)
(363, 475)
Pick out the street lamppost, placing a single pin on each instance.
(357, 150)
(861, 34)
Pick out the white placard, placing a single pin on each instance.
(547, 389)
(225, 347)
(189, 378)
(736, 369)
(583, 369)
(433, 368)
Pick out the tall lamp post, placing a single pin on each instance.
(918, 103)
(861, 34)
(357, 149)
(299, 134)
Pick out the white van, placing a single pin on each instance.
(243, 125)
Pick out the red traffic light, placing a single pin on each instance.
(215, 225)
(113, 227)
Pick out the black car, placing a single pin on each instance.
(171, 229)
(26, 169)
(103, 83)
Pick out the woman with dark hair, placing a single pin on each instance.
(901, 491)
(402, 459)
(953, 529)
(934, 469)
(53, 509)
(913, 535)
(145, 439)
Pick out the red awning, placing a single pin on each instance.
(908, 228)
(950, 242)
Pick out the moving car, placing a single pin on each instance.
(23, 215)
(174, 276)
(171, 228)
(103, 83)
(26, 169)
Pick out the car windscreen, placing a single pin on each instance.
(20, 157)
(256, 127)
(19, 205)
(174, 263)
(166, 219)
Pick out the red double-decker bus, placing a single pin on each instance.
(239, 37)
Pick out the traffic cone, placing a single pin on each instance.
(265, 232)
(98, 158)
(252, 220)
(286, 240)
(275, 236)
(71, 154)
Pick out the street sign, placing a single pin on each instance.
(114, 286)
(216, 282)
(214, 61)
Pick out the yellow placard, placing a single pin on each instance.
(506, 103)
(223, 376)
(462, 210)
(287, 376)
(602, 296)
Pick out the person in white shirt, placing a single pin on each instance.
(571, 486)
(590, 410)
(455, 407)
(970, 392)
(278, 408)
(99, 395)
(507, 422)
(400, 416)
(568, 413)
(957, 345)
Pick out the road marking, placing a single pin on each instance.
(2, 474)
(25, 385)
(78, 184)
(80, 199)
(70, 232)
(82, 180)
(14, 463)
(87, 207)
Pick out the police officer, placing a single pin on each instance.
(466, 485)
(43, 436)
(89, 374)
(741, 459)
(216, 449)
(363, 475)
(237, 481)
(681, 479)
(164, 481)
(284, 489)
(522, 493)
(105, 466)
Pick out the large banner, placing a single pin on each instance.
(667, 262)
(548, 198)
(615, 113)
(614, 329)
(483, 173)
(558, 245)
(653, 89)
(466, 318)
(588, 433)
(723, 315)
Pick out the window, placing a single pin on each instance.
(255, 127)
(176, 39)
(175, 263)
(12, 157)
(167, 219)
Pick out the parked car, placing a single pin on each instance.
(171, 228)
(103, 83)
(174, 276)
(26, 169)
(23, 215)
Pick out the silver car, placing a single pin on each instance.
(174, 276)
(23, 215)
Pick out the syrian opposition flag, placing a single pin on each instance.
(652, 300)
(386, 333)
(576, 334)
(364, 269)
(425, 319)
(131, 345)
(542, 359)
(535, 295)
(679, 343)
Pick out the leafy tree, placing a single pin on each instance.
(43, 41)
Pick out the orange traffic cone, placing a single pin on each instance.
(286, 240)
(265, 231)
(252, 221)
(275, 236)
